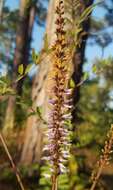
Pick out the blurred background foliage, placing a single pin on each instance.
(94, 110)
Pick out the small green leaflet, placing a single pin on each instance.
(94, 69)
(6, 90)
(21, 69)
(35, 57)
(39, 111)
(28, 68)
(87, 12)
(72, 83)
(86, 76)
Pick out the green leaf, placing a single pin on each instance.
(35, 57)
(2, 82)
(4, 89)
(72, 83)
(10, 90)
(46, 44)
(39, 111)
(86, 76)
(28, 68)
(21, 69)
(94, 69)
(87, 12)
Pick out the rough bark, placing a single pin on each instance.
(78, 60)
(33, 143)
(21, 56)
(1, 10)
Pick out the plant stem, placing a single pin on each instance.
(97, 177)
(12, 162)
(104, 158)
(54, 183)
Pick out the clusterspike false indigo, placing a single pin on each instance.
(60, 101)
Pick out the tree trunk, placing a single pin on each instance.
(32, 148)
(33, 143)
(78, 60)
(1, 10)
(21, 56)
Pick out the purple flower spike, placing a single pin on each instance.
(61, 100)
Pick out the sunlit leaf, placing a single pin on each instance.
(94, 69)
(86, 76)
(28, 68)
(35, 57)
(72, 83)
(21, 69)
(39, 111)
(87, 12)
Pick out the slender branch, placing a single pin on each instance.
(97, 178)
(104, 159)
(12, 162)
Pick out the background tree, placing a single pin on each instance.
(1, 9)
(94, 120)
(32, 148)
(23, 39)
(27, 15)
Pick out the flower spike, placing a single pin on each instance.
(60, 101)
